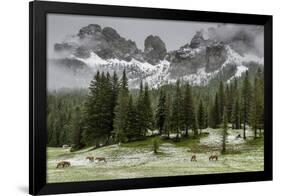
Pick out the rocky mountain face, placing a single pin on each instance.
(106, 43)
(95, 48)
(216, 55)
(154, 49)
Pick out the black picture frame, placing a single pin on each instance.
(37, 101)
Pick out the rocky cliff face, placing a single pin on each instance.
(216, 55)
(200, 53)
(106, 43)
(197, 40)
(154, 49)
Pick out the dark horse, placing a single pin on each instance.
(213, 158)
(193, 158)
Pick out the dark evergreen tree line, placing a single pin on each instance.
(111, 113)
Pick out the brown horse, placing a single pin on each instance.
(193, 158)
(63, 164)
(100, 159)
(90, 158)
(213, 158)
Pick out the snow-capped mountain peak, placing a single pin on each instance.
(197, 62)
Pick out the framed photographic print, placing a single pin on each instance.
(129, 98)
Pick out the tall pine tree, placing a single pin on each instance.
(107, 106)
(211, 119)
(235, 115)
(168, 116)
(76, 129)
(229, 100)
(115, 90)
(160, 115)
(224, 131)
(216, 112)
(177, 112)
(92, 132)
(121, 110)
(148, 117)
(221, 101)
(189, 112)
(141, 111)
(257, 106)
(201, 116)
(131, 122)
(246, 98)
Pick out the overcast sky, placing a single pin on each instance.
(173, 33)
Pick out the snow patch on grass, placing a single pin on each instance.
(136, 159)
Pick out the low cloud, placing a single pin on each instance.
(244, 38)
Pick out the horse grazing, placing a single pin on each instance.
(213, 158)
(63, 164)
(100, 159)
(90, 158)
(193, 158)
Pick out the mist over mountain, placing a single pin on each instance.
(227, 50)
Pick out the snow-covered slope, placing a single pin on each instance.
(156, 75)
(136, 70)
(240, 61)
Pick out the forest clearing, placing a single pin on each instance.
(137, 159)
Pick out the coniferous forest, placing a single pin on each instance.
(109, 113)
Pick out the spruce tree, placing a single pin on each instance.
(224, 134)
(121, 110)
(76, 129)
(256, 107)
(216, 112)
(189, 112)
(246, 98)
(221, 101)
(131, 122)
(229, 100)
(98, 110)
(107, 106)
(124, 82)
(115, 86)
(51, 128)
(177, 112)
(93, 131)
(211, 119)
(235, 85)
(206, 120)
(168, 116)
(148, 118)
(235, 115)
(260, 76)
(160, 115)
(140, 111)
(201, 116)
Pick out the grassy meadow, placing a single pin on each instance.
(137, 159)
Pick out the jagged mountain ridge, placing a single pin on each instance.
(197, 62)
